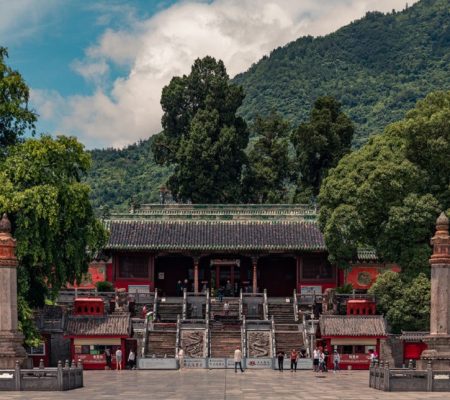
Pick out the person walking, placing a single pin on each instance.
(294, 358)
(131, 359)
(181, 358)
(336, 361)
(280, 358)
(316, 356)
(119, 359)
(238, 360)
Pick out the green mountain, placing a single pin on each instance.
(378, 67)
(117, 176)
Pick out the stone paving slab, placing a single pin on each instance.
(223, 384)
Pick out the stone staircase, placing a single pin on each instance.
(225, 338)
(217, 312)
(196, 311)
(168, 311)
(283, 313)
(161, 341)
(253, 311)
(288, 337)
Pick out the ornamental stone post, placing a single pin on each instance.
(11, 349)
(438, 341)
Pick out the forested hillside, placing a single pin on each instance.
(119, 175)
(377, 67)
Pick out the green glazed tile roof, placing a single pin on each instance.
(218, 227)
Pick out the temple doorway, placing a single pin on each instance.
(278, 275)
(171, 269)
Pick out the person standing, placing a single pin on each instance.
(294, 358)
(238, 360)
(181, 358)
(336, 361)
(321, 361)
(131, 359)
(226, 308)
(119, 359)
(280, 358)
(316, 356)
(179, 289)
(108, 358)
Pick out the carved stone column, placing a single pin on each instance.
(196, 262)
(438, 352)
(255, 274)
(11, 348)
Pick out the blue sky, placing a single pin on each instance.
(96, 67)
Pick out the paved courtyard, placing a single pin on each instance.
(223, 384)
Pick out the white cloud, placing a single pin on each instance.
(23, 18)
(237, 31)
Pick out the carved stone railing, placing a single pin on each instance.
(274, 347)
(295, 306)
(265, 306)
(382, 377)
(184, 311)
(241, 305)
(243, 336)
(62, 378)
(178, 337)
(155, 304)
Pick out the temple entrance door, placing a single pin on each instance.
(226, 274)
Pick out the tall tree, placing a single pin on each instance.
(53, 221)
(388, 193)
(266, 177)
(202, 136)
(405, 303)
(319, 145)
(15, 117)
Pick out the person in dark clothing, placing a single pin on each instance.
(280, 358)
(108, 357)
(179, 289)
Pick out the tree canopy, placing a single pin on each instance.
(15, 116)
(269, 167)
(319, 144)
(53, 220)
(405, 303)
(202, 136)
(388, 194)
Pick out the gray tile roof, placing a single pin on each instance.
(113, 324)
(284, 235)
(413, 336)
(352, 325)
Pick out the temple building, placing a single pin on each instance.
(250, 247)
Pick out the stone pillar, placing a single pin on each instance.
(11, 349)
(196, 261)
(255, 274)
(438, 352)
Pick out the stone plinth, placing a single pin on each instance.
(438, 342)
(11, 349)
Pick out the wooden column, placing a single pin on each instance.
(196, 261)
(298, 272)
(255, 274)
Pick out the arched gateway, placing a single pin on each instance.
(228, 247)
